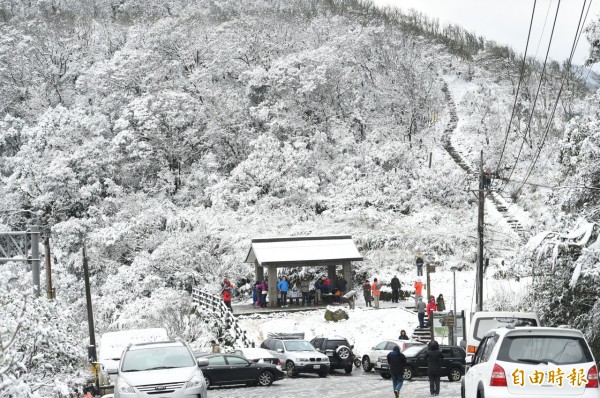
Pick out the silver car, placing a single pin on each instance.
(165, 369)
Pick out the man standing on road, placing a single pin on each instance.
(418, 290)
(367, 293)
(421, 312)
(434, 357)
(395, 289)
(376, 289)
(283, 288)
(396, 360)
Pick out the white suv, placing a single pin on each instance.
(369, 358)
(532, 362)
(298, 356)
(165, 369)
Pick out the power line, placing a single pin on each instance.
(518, 87)
(575, 42)
(536, 95)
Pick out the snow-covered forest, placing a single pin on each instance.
(166, 135)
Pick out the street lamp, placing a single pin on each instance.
(453, 269)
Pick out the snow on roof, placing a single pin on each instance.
(112, 344)
(303, 250)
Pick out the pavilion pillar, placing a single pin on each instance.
(331, 275)
(347, 271)
(259, 272)
(272, 286)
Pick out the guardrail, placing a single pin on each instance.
(215, 304)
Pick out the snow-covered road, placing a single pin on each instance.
(356, 385)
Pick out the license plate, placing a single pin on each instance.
(317, 366)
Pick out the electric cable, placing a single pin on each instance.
(518, 87)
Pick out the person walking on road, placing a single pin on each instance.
(376, 289)
(421, 312)
(397, 361)
(395, 289)
(367, 293)
(434, 357)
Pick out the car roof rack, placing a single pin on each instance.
(286, 336)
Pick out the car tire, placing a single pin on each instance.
(454, 374)
(265, 378)
(357, 362)
(290, 369)
(386, 375)
(408, 373)
(366, 364)
(323, 374)
(348, 369)
(343, 352)
(207, 381)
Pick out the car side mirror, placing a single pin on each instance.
(202, 362)
(463, 344)
(280, 350)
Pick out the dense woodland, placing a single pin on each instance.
(166, 135)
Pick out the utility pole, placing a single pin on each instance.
(88, 296)
(479, 279)
(34, 233)
(49, 289)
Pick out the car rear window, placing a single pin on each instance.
(484, 325)
(333, 344)
(544, 349)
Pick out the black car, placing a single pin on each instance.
(453, 364)
(339, 351)
(225, 369)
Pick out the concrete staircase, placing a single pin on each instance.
(493, 197)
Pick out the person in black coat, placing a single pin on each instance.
(395, 289)
(434, 357)
(397, 361)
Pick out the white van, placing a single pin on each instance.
(112, 345)
(482, 322)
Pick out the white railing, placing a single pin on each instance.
(216, 304)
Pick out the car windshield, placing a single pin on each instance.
(298, 345)
(413, 351)
(152, 358)
(544, 349)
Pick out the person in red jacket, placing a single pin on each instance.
(226, 293)
(430, 307)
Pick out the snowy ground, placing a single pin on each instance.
(358, 384)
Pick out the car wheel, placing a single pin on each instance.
(207, 381)
(357, 362)
(454, 374)
(323, 374)
(366, 364)
(408, 373)
(386, 376)
(343, 352)
(265, 378)
(290, 369)
(348, 369)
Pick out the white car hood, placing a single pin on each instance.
(159, 376)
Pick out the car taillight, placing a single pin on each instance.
(278, 362)
(592, 378)
(471, 349)
(498, 378)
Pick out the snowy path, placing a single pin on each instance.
(358, 384)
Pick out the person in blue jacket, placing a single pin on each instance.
(283, 287)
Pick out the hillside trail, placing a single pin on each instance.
(514, 216)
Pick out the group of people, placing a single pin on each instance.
(397, 362)
(433, 304)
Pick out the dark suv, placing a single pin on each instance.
(453, 364)
(339, 351)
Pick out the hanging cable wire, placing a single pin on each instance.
(536, 97)
(518, 87)
(565, 73)
(543, 28)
